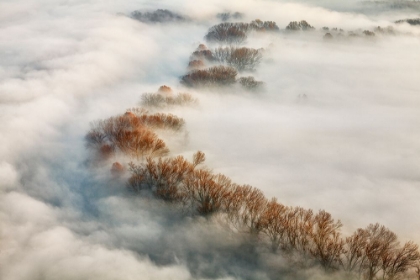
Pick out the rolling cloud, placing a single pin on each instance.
(335, 128)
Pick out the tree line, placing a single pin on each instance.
(373, 252)
(369, 253)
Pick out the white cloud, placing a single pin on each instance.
(351, 147)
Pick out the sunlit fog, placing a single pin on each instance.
(244, 139)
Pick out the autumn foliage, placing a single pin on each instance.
(240, 58)
(131, 134)
(370, 253)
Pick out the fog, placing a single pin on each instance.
(335, 127)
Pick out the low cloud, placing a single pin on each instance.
(335, 128)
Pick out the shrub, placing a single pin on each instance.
(214, 76)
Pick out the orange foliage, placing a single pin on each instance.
(131, 134)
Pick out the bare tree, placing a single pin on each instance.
(249, 83)
(354, 251)
(159, 15)
(273, 222)
(228, 16)
(245, 206)
(241, 58)
(196, 64)
(141, 143)
(229, 33)
(262, 26)
(214, 76)
(327, 245)
(380, 242)
(164, 100)
(206, 191)
(131, 134)
(166, 178)
(202, 55)
(302, 25)
(398, 261)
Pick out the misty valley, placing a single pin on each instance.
(211, 140)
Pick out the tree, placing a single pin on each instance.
(165, 178)
(273, 222)
(302, 25)
(245, 207)
(262, 26)
(206, 191)
(327, 245)
(396, 262)
(354, 251)
(202, 55)
(160, 100)
(196, 64)
(229, 33)
(158, 16)
(241, 58)
(141, 143)
(131, 134)
(214, 76)
(381, 241)
(370, 250)
(249, 83)
(228, 15)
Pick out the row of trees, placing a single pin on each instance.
(411, 21)
(158, 16)
(165, 98)
(131, 134)
(370, 253)
(213, 76)
(233, 59)
(301, 25)
(242, 59)
(236, 32)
